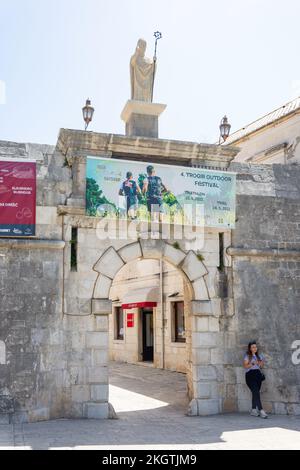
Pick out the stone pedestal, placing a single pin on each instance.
(141, 118)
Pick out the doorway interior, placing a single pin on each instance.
(147, 338)
(147, 335)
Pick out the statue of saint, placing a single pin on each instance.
(142, 73)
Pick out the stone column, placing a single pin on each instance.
(78, 164)
(207, 358)
(97, 346)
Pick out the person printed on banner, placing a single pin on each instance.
(154, 189)
(130, 189)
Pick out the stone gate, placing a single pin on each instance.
(54, 317)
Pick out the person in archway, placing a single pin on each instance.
(130, 189)
(253, 363)
(154, 189)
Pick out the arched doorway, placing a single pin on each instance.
(150, 326)
(151, 315)
(202, 378)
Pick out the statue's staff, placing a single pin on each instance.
(157, 36)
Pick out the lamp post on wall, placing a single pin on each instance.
(224, 129)
(88, 113)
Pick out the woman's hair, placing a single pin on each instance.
(249, 352)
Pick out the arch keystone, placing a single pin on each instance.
(152, 248)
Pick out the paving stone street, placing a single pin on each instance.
(151, 406)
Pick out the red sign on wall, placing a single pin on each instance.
(17, 198)
(130, 320)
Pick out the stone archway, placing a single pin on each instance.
(206, 365)
(113, 260)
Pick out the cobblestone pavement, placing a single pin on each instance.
(151, 406)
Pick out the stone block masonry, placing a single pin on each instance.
(54, 320)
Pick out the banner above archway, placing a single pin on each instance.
(137, 190)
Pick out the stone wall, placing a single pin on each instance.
(52, 364)
(265, 280)
(54, 320)
(30, 319)
(31, 273)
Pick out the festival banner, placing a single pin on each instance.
(183, 195)
(17, 198)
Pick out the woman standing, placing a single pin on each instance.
(253, 362)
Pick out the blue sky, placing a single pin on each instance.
(239, 57)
